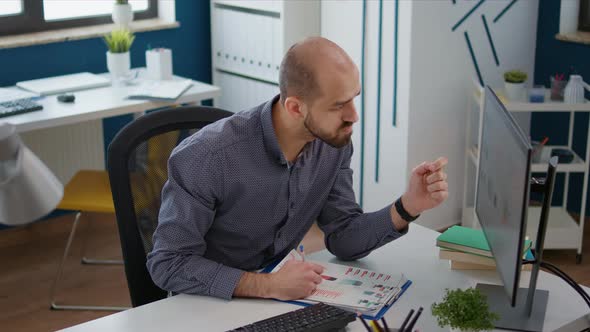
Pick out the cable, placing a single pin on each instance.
(567, 279)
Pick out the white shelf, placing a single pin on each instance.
(563, 232)
(578, 165)
(548, 106)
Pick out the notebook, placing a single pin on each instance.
(160, 90)
(350, 288)
(64, 83)
(468, 240)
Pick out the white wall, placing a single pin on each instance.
(341, 22)
(435, 72)
(441, 76)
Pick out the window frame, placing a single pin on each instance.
(31, 19)
(584, 16)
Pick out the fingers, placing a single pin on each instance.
(439, 195)
(438, 164)
(438, 186)
(435, 177)
(430, 167)
(316, 268)
(316, 278)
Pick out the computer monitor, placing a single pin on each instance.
(502, 195)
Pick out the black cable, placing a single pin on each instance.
(567, 279)
(564, 275)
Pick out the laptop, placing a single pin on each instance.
(65, 83)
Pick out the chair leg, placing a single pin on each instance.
(95, 261)
(54, 286)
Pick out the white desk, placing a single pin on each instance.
(415, 255)
(69, 136)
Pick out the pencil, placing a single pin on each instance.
(411, 326)
(301, 252)
(402, 328)
(364, 323)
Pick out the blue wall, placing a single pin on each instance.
(554, 56)
(190, 44)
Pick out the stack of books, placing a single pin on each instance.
(467, 249)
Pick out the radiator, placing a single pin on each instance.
(67, 149)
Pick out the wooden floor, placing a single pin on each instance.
(30, 256)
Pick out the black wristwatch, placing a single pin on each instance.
(402, 212)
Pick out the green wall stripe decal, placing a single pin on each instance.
(362, 115)
(467, 15)
(504, 10)
(473, 58)
(395, 34)
(485, 24)
(378, 125)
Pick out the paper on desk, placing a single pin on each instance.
(10, 94)
(351, 287)
(164, 90)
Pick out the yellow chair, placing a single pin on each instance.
(87, 191)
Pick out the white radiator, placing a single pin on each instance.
(67, 149)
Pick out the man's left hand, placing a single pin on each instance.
(428, 187)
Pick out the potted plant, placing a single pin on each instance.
(118, 60)
(464, 310)
(122, 13)
(514, 84)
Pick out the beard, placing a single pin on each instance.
(336, 140)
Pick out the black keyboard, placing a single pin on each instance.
(316, 318)
(14, 107)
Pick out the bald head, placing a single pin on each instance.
(305, 66)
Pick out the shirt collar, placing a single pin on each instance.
(268, 131)
(270, 138)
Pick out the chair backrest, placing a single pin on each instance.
(137, 167)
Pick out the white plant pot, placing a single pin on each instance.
(122, 14)
(574, 90)
(515, 91)
(118, 64)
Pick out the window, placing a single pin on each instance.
(22, 16)
(584, 18)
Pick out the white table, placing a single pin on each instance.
(415, 254)
(69, 136)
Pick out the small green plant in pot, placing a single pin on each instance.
(119, 43)
(464, 310)
(514, 82)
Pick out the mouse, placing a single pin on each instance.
(66, 98)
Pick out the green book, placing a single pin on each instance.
(468, 240)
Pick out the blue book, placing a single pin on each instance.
(354, 289)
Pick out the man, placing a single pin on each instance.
(243, 191)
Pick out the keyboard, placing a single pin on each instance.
(315, 318)
(14, 107)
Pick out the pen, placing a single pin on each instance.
(301, 252)
(363, 321)
(374, 326)
(414, 320)
(402, 328)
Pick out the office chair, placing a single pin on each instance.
(137, 176)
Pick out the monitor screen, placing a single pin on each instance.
(503, 189)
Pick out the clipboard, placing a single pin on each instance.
(368, 316)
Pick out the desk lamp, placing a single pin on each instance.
(28, 189)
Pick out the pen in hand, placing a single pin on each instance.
(301, 252)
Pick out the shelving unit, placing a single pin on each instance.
(248, 41)
(563, 231)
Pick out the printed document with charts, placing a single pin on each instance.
(354, 289)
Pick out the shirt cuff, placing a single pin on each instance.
(384, 227)
(225, 282)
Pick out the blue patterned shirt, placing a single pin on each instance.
(232, 203)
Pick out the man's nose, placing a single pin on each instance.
(351, 114)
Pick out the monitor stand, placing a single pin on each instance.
(516, 318)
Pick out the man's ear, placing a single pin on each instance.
(295, 107)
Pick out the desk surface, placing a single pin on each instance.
(415, 254)
(100, 103)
